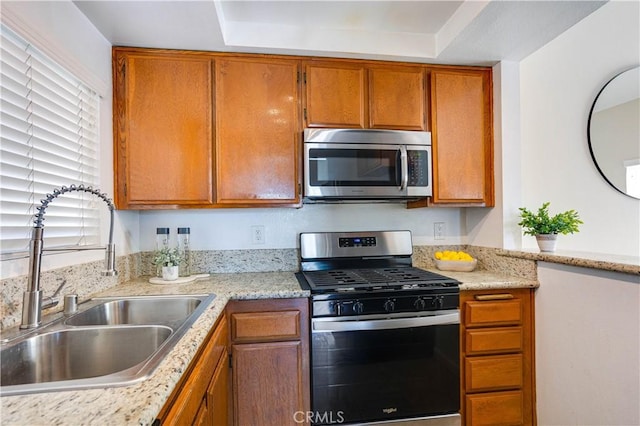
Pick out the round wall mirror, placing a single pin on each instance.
(614, 132)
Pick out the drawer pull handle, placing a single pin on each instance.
(503, 296)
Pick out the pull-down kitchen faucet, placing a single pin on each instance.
(33, 300)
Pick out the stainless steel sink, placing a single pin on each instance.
(139, 311)
(79, 354)
(109, 342)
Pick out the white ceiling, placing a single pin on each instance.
(473, 32)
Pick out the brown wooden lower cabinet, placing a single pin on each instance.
(270, 361)
(268, 384)
(201, 397)
(497, 357)
(495, 409)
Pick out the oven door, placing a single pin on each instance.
(379, 369)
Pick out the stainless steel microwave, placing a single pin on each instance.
(354, 164)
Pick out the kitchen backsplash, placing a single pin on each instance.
(85, 279)
(233, 261)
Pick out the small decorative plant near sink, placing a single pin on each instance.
(546, 227)
(168, 259)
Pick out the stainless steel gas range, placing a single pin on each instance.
(384, 334)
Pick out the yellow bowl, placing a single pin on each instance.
(457, 265)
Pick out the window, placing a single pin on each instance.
(632, 170)
(49, 138)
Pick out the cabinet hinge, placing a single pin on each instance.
(304, 78)
(304, 112)
(298, 77)
(230, 361)
(125, 189)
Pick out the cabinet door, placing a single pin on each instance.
(268, 383)
(218, 394)
(257, 131)
(191, 402)
(397, 98)
(162, 130)
(335, 95)
(462, 137)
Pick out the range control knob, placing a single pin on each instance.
(358, 307)
(438, 302)
(389, 305)
(419, 304)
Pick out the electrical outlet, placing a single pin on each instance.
(439, 229)
(257, 234)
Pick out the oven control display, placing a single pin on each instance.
(357, 242)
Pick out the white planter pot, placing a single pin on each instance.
(547, 242)
(169, 273)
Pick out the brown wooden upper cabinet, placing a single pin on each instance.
(343, 94)
(202, 130)
(163, 126)
(209, 129)
(258, 131)
(335, 95)
(397, 98)
(461, 126)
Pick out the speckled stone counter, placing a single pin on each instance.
(488, 280)
(603, 261)
(140, 403)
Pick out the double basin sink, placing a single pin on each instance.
(108, 342)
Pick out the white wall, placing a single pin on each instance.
(587, 346)
(559, 83)
(226, 229)
(497, 227)
(64, 33)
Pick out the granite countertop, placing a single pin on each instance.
(487, 280)
(140, 403)
(603, 261)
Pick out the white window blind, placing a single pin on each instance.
(49, 138)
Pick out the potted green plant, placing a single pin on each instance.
(168, 259)
(546, 227)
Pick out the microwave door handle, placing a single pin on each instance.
(399, 169)
(404, 166)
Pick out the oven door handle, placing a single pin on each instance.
(385, 324)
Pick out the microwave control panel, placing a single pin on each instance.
(418, 168)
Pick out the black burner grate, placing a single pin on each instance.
(375, 277)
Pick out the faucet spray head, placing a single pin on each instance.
(110, 261)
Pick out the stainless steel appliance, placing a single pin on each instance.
(353, 164)
(384, 334)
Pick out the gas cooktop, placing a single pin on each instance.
(375, 279)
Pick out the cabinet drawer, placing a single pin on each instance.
(265, 326)
(493, 373)
(495, 409)
(493, 312)
(494, 340)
